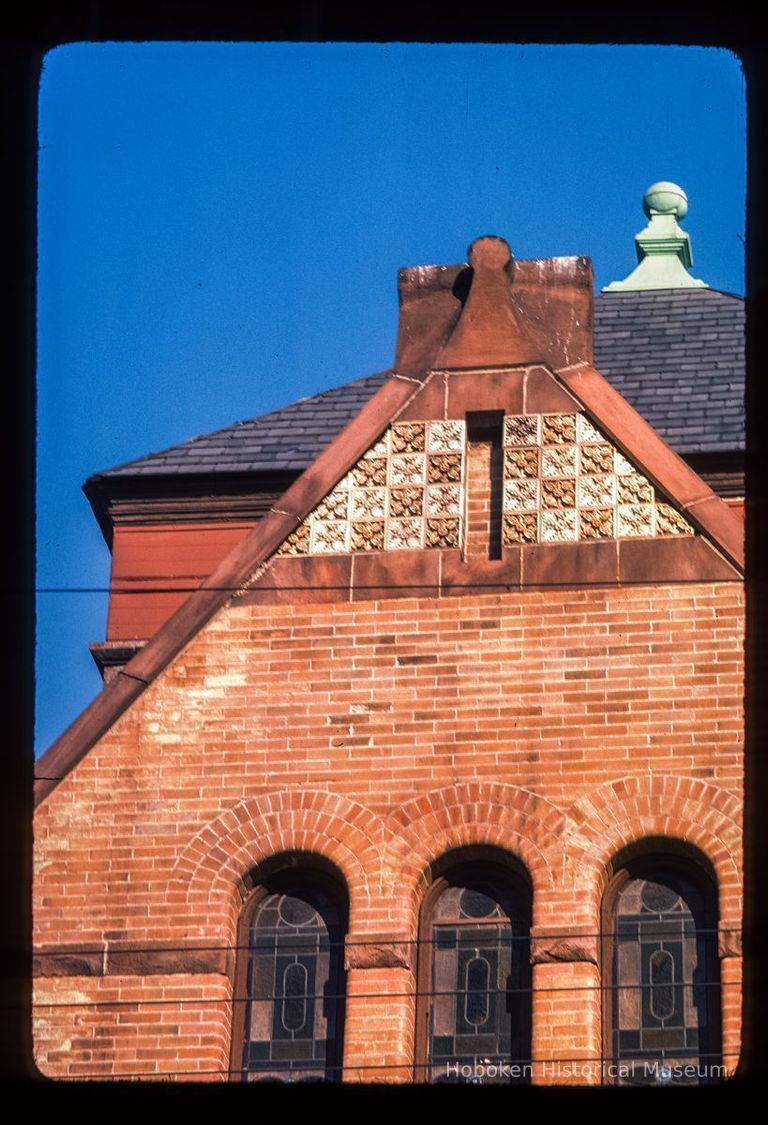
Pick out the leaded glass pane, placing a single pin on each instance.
(479, 1025)
(666, 988)
(294, 1011)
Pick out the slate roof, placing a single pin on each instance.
(677, 356)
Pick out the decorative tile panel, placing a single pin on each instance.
(406, 468)
(297, 542)
(379, 448)
(558, 493)
(405, 535)
(597, 523)
(445, 467)
(598, 491)
(522, 527)
(335, 506)
(408, 437)
(329, 537)
(564, 480)
(370, 472)
(634, 489)
(521, 495)
(446, 437)
(521, 462)
(406, 502)
(406, 492)
(558, 429)
(635, 519)
(586, 431)
(621, 465)
(559, 461)
(596, 458)
(367, 536)
(521, 429)
(443, 533)
(368, 503)
(670, 522)
(560, 526)
(444, 500)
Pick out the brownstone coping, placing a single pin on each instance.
(593, 392)
(131, 958)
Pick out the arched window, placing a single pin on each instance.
(661, 968)
(289, 1010)
(474, 976)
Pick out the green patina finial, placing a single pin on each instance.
(663, 248)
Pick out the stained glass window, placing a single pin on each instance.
(294, 1009)
(665, 985)
(478, 1003)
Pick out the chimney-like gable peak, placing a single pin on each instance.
(497, 311)
(489, 332)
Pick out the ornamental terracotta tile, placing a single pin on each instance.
(521, 462)
(597, 524)
(367, 536)
(408, 437)
(368, 473)
(670, 522)
(563, 481)
(368, 503)
(558, 429)
(444, 467)
(404, 535)
(621, 465)
(406, 468)
(596, 459)
(598, 491)
(521, 495)
(558, 494)
(297, 542)
(635, 519)
(520, 527)
(443, 533)
(559, 460)
(406, 502)
(446, 437)
(335, 506)
(329, 537)
(586, 431)
(444, 500)
(559, 526)
(521, 429)
(633, 488)
(379, 448)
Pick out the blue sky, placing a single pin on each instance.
(221, 225)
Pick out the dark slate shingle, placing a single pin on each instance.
(692, 350)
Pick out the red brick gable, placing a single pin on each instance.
(484, 360)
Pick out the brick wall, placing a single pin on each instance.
(559, 725)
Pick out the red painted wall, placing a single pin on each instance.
(154, 568)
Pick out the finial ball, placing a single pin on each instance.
(489, 250)
(666, 199)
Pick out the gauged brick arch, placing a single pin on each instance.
(214, 864)
(475, 813)
(626, 811)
